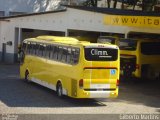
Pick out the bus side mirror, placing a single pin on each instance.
(21, 57)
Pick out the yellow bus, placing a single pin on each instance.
(140, 58)
(70, 67)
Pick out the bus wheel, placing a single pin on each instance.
(59, 89)
(27, 76)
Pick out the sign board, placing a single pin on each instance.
(132, 21)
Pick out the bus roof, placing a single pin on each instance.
(116, 37)
(57, 38)
(65, 40)
(53, 39)
(141, 39)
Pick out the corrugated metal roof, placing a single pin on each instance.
(32, 14)
(116, 11)
(93, 9)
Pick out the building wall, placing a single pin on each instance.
(6, 31)
(0, 43)
(72, 19)
(6, 35)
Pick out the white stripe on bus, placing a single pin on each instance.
(45, 84)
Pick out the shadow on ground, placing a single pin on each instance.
(17, 93)
(139, 92)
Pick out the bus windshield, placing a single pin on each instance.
(150, 48)
(101, 54)
(128, 44)
(106, 39)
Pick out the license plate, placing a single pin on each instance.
(99, 89)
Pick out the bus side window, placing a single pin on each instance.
(33, 48)
(75, 55)
(41, 48)
(37, 49)
(55, 53)
(24, 47)
(69, 55)
(60, 50)
(51, 52)
(28, 47)
(48, 51)
(30, 50)
(64, 54)
(44, 51)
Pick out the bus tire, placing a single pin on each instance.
(27, 76)
(127, 73)
(59, 89)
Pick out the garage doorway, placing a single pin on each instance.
(3, 52)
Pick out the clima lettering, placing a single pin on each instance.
(98, 52)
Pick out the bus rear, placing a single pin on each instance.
(100, 64)
(140, 58)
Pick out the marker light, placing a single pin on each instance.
(81, 83)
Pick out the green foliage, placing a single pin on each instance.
(146, 5)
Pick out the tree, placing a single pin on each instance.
(108, 3)
(130, 2)
(122, 4)
(147, 5)
(115, 3)
(135, 3)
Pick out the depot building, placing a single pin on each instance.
(75, 21)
